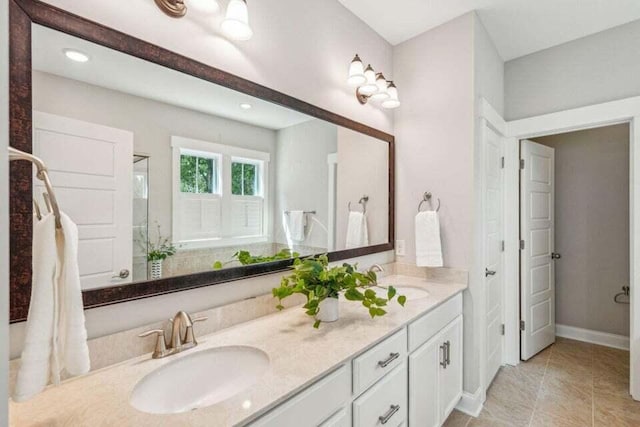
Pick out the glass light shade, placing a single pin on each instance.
(369, 87)
(204, 6)
(381, 83)
(392, 101)
(236, 21)
(356, 73)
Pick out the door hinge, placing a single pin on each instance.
(502, 245)
(521, 244)
(502, 162)
(502, 329)
(522, 325)
(521, 163)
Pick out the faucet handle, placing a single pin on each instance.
(189, 336)
(161, 344)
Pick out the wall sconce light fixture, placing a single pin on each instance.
(235, 24)
(372, 85)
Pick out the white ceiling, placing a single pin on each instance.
(517, 27)
(117, 71)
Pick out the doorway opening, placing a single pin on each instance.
(574, 231)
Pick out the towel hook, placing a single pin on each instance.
(426, 197)
(363, 201)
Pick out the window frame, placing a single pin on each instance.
(226, 154)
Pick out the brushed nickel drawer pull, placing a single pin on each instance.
(388, 360)
(386, 417)
(443, 362)
(448, 349)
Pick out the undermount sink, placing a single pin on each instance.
(200, 379)
(411, 292)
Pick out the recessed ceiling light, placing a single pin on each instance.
(246, 106)
(76, 55)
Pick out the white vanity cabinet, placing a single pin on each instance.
(435, 366)
(411, 378)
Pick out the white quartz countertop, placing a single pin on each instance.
(298, 353)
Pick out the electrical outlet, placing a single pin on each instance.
(400, 250)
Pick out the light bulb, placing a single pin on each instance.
(381, 83)
(204, 6)
(356, 73)
(236, 21)
(369, 87)
(392, 101)
(75, 55)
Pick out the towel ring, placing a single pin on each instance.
(363, 201)
(426, 197)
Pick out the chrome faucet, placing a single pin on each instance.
(177, 342)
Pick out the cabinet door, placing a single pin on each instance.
(450, 380)
(424, 367)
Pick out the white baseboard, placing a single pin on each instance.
(594, 337)
(471, 404)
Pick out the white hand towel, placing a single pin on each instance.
(56, 338)
(296, 225)
(357, 231)
(428, 244)
(34, 373)
(72, 333)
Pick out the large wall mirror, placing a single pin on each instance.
(179, 175)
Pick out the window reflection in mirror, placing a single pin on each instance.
(213, 185)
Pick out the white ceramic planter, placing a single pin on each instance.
(329, 310)
(156, 269)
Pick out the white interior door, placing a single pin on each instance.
(537, 275)
(493, 251)
(91, 167)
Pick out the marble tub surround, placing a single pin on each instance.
(297, 354)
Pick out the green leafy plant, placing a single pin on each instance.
(245, 258)
(313, 278)
(161, 249)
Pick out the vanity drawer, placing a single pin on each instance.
(340, 419)
(372, 365)
(314, 405)
(431, 323)
(386, 399)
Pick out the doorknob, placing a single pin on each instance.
(555, 255)
(124, 273)
(488, 272)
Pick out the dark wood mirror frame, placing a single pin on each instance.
(22, 13)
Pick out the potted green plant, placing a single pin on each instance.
(322, 286)
(158, 251)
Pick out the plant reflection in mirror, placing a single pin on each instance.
(245, 258)
(161, 249)
(313, 278)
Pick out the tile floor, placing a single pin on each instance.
(570, 384)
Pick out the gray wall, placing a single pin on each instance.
(302, 175)
(441, 74)
(594, 69)
(4, 215)
(363, 164)
(434, 134)
(592, 227)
